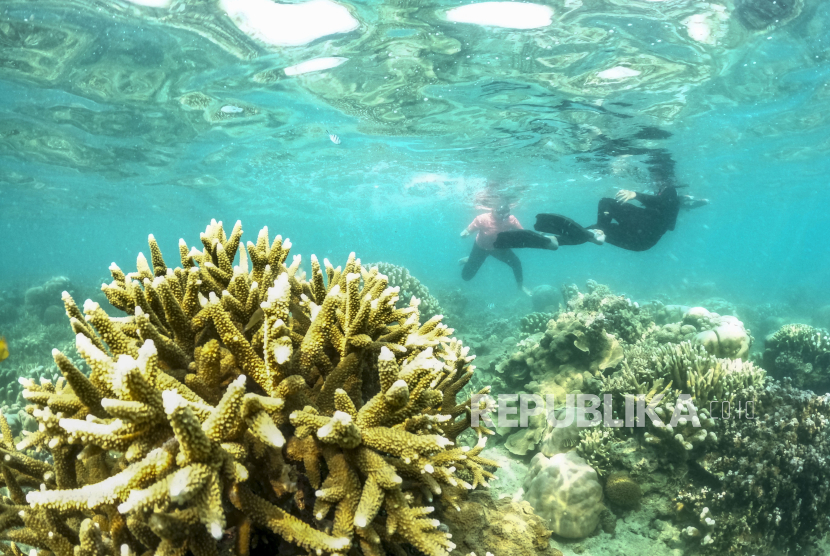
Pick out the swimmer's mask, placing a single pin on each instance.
(502, 212)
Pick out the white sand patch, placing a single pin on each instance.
(618, 72)
(317, 64)
(513, 15)
(152, 3)
(289, 24)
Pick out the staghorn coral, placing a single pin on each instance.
(687, 434)
(410, 287)
(675, 369)
(241, 401)
(685, 368)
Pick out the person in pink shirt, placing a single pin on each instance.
(488, 226)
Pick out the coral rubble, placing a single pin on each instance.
(237, 402)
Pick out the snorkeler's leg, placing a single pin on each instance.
(474, 262)
(517, 239)
(510, 259)
(630, 238)
(605, 212)
(609, 210)
(622, 225)
(566, 230)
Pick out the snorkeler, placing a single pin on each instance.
(618, 223)
(489, 225)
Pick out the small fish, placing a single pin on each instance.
(334, 138)
(491, 306)
(4, 348)
(231, 109)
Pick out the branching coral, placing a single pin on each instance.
(664, 373)
(180, 440)
(705, 377)
(594, 445)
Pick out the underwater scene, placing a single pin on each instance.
(414, 277)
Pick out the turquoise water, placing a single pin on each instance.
(98, 150)
(118, 121)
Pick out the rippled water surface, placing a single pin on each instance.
(120, 119)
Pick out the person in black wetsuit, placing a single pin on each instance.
(618, 223)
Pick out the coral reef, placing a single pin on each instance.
(533, 323)
(410, 287)
(545, 299)
(723, 336)
(560, 436)
(575, 341)
(763, 486)
(621, 317)
(565, 491)
(486, 526)
(38, 299)
(240, 402)
(622, 490)
(801, 353)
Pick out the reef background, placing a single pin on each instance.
(120, 121)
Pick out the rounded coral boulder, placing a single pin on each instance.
(565, 491)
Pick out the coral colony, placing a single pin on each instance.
(330, 424)
(256, 408)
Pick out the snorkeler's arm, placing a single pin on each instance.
(515, 223)
(688, 202)
(474, 225)
(648, 200)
